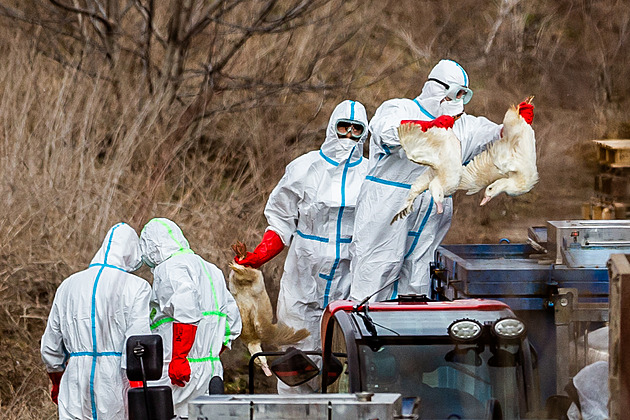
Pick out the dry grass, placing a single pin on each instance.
(79, 153)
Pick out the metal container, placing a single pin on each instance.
(516, 274)
(304, 407)
(563, 255)
(586, 243)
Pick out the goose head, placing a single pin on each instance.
(507, 185)
(437, 192)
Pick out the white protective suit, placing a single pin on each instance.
(401, 252)
(189, 290)
(591, 384)
(93, 314)
(312, 210)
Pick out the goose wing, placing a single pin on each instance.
(480, 172)
(421, 147)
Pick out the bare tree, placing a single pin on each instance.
(209, 57)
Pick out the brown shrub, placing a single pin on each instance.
(87, 142)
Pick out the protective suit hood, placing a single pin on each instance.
(160, 239)
(339, 149)
(449, 72)
(93, 314)
(120, 248)
(188, 290)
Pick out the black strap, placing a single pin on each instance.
(440, 82)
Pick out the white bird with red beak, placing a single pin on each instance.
(507, 165)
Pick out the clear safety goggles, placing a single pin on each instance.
(148, 262)
(355, 128)
(456, 92)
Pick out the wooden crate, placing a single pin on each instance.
(612, 187)
(596, 209)
(614, 153)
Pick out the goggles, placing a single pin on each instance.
(148, 262)
(456, 92)
(355, 128)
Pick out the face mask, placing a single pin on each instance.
(451, 108)
(347, 144)
(344, 149)
(147, 262)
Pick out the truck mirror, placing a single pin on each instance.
(335, 368)
(144, 351)
(294, 367)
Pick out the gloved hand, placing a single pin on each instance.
(443, 121)
(55, 378)
(183, 339)
(270, 246)
(526, 110)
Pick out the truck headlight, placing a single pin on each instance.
(464, 330)
(509, 328)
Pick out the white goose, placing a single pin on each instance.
(440, 150)
(507, 165)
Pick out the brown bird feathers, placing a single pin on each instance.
(247, 285)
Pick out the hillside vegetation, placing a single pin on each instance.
(119, 110)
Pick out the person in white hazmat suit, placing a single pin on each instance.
(93, 313)
(400, 253)
(311, 210)
(191, 309)
(591, 385)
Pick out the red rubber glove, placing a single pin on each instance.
(443, 121)
(526, 111)
(135, 384)
(270, 246)
(183, 339)
(55, 378)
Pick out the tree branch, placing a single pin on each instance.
(106, 22)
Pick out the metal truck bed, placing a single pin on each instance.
(516, 274)
(312, 406)
(557, 283)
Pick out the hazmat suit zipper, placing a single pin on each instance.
(330, 276)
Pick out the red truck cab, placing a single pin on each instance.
(459, 359)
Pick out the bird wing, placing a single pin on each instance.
(480, 173)
(449, 170)
(421, 147)
(505, 157)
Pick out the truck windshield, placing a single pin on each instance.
(451, 381)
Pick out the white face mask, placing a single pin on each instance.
(345, 148)
(451, 108)
(347, 144)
